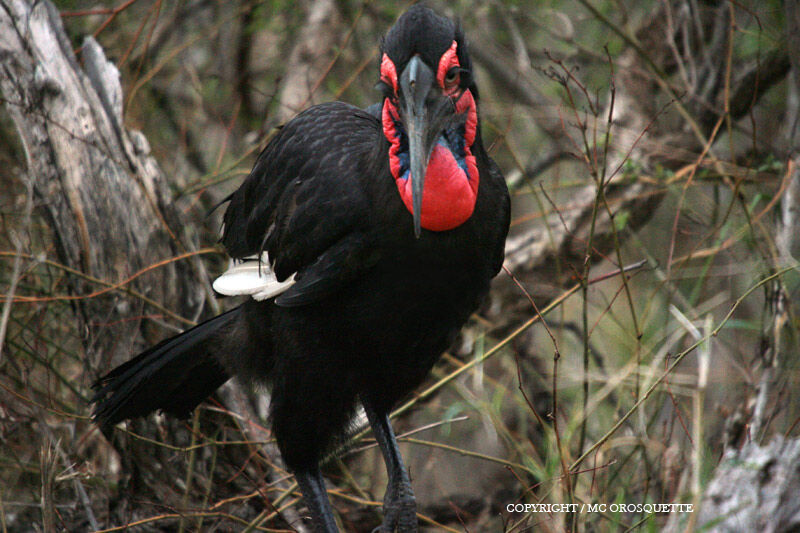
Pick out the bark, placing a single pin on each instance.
(111, 213)
(753, 489)
(309, 58)
(108, 207)
(103, 194)
(788, 241)
(777, 338)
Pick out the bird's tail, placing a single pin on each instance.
(173, 376)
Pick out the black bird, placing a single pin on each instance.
(366, 238)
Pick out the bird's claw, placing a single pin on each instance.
(399, 513)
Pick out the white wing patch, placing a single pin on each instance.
(253, 277)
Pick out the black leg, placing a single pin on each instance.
(399, 505)
(316, 498)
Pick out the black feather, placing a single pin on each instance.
(372, 306)
(174, 376)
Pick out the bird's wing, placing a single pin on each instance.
(502, 211)
(304, 205)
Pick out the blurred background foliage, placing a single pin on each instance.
(696, 165)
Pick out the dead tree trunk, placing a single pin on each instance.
(104, 196)
(113, 220)
(309, 58)
(753, 489)
(111, 214)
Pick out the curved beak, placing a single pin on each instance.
(416, 83)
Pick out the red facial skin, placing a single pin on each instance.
(448, 61)
(388, 73)
(449, 196)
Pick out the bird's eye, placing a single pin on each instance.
(452, 76)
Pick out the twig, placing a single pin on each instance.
(677, 361)
(190, 469)
(777, 298)
(17, 267)
(703, 362)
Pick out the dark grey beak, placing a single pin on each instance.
(416, 83)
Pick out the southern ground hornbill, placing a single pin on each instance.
(366, 238)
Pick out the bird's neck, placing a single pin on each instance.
(448, 199)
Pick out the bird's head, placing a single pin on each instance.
(430, 118)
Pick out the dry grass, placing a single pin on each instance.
(587, 387)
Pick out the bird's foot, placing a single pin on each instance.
(399, 511)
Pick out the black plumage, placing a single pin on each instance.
(373, 304)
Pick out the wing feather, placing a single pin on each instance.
(304, 205)
(254, 277)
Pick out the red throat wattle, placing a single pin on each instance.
(451, 179)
